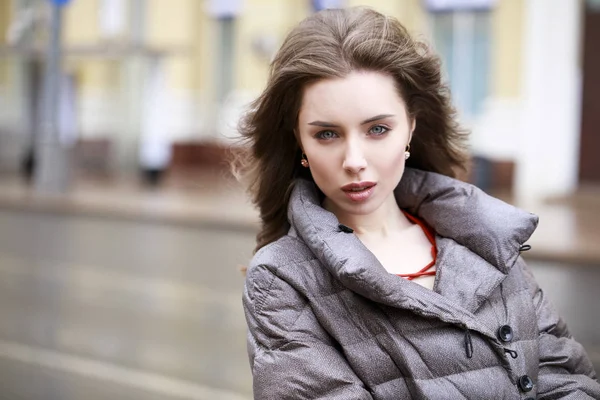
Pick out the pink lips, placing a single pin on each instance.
(359, 192)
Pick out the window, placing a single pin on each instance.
(462, 38)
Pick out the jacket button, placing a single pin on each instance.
(525, 383)
(505, 333)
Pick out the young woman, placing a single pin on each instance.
(377, 274)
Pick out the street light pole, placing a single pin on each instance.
(52, 173)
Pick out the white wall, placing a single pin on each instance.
(540, 129)
(548, 148)
(497, 132)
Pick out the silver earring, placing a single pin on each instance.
(407, 152)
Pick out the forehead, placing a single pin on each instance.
(360, 94)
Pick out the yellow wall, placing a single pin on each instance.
(184, 25)
(81, 28)
(507, 37)
(278, 17)
(5, 14)
(507, 46)
(393, 8)
(170, 26)
(202, 49)
(414, 16)
(409, 12)
(262, 17)
(81, 23)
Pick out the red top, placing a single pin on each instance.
(425, 271)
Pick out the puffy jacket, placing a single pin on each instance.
(327, 321)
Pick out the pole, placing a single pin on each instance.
(52, 175)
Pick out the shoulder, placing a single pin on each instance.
(274, 299)
(272, 272)
(283, 252)
(270, 262)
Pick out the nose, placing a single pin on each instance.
(354, 158)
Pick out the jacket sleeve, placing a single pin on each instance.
(565, 372)
(291, 355)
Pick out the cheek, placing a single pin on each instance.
(322, 166)
(391, 160)
(321, 157)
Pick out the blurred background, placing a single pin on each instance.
(122, 232)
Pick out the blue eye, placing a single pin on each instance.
(378, 130)
(326, 135)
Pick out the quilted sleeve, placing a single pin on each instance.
(566, 372)
(291, 355)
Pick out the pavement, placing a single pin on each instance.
(568, 232)
(207, 198)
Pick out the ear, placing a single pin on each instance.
(297, 136)
(413, 125)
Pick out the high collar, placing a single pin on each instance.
(489, 231)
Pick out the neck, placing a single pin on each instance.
(381, 223)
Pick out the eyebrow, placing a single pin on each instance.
(366, 121)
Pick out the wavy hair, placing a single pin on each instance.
(332, 44)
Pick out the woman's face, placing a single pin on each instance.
(354, 132)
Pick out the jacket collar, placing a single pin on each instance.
(488, 231)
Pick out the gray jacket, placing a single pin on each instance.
(327, 321)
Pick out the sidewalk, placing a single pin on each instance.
(206, 198)
(569, 229)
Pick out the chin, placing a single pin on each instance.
(361, 209)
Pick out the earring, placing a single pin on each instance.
(304, 161)
(407, 152)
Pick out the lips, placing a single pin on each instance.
(358, 186)
(359, 192)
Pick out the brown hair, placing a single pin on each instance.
(331, 44)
